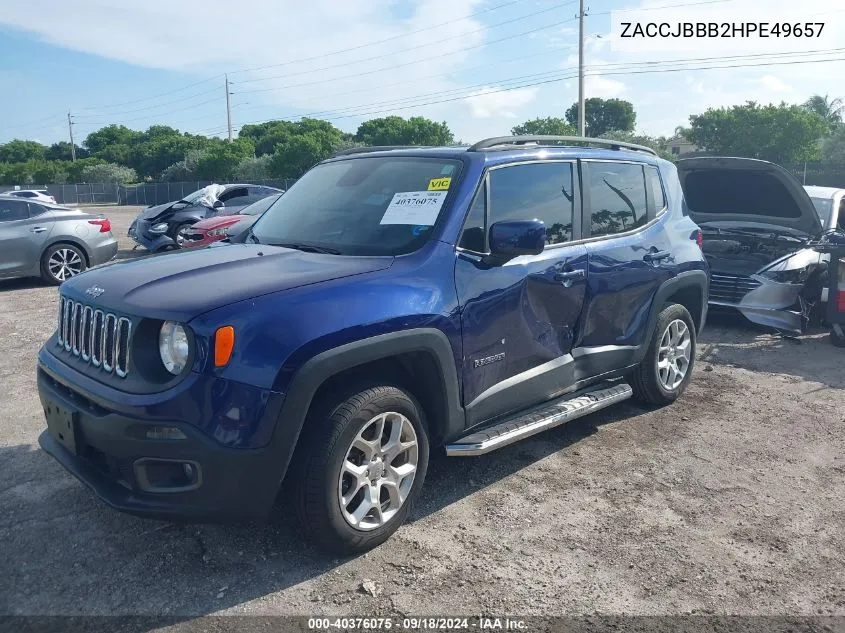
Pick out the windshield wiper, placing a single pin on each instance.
(308, 248)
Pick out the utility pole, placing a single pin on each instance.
(582, 123)
(72, 146)
(228, 109)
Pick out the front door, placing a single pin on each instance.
(519, 320)
(21, 237)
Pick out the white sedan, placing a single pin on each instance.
(36, 195)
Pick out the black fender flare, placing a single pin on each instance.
(698, 279)
(321, 367)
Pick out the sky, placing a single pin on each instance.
(482, 66)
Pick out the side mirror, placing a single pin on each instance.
(517, 237)
(218, 204)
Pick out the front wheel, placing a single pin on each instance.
(359, 468)
(179, 233)
(665, 372)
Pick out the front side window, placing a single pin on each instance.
(617, 197)
(472, 237)
(11, 210)
(535, 191)
(362, 206)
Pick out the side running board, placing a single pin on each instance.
(547, 416)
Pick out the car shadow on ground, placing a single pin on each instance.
(106, 562)
(729, 337)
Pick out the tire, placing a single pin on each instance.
(61, 262)
(653, 384)
(837, 338)
(322, 481)
(174, 233)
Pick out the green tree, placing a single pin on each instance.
(394, 130)
(110, 136)
(296, 156)
(781, 134)
(18, 151)
(50, 172)
(549, 125)
(659, 144)
(828, 109)
(604, 115)
(109, 172)
(219, 160)
(61, 151)
(252, 169)
(74, 170)
(833, 148)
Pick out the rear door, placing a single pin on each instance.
(630, 256)
(22, 235)
(519, 319)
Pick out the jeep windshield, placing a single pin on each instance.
(361, 206)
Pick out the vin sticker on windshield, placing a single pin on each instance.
(414, 207)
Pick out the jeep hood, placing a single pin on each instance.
(746, 190)
(184, 284)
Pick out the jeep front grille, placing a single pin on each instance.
(97, 337)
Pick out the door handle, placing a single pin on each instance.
(571, 276)
(656, 256)
(37, 229)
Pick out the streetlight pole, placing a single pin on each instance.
(582, 123)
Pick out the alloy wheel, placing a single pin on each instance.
(674, 354)
(64, 263)
(378, 471)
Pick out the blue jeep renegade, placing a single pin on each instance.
(393, 301)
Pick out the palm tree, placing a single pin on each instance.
(828, 109)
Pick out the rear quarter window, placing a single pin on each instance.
(617, 200)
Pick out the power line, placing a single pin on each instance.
(382, 41)
(426, 45)
(590, 73)
(162, 94)
(152, 107)
(522, 78)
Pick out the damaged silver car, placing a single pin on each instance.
(757, 221)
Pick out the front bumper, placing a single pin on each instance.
(760, 300)
(139, 231)
(232, 484)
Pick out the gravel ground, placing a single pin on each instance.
(730, 501)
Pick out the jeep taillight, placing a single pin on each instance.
(104, 224)
(699, 239)
(840, 301)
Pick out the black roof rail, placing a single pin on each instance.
(524, 140)
(374, 148)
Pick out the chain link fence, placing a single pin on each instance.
(143, 194)
(819, 174)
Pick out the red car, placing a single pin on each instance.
(217, 227)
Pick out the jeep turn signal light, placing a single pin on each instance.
(224, 343)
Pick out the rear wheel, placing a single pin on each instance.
(837, 335)
(359, 468)
(665, 372)
(61, 262)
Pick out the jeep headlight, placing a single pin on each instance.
(161, 227)
(790, 276)
(173, 347)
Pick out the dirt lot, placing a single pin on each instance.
(730, 501)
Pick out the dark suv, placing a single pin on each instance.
(393, 301)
